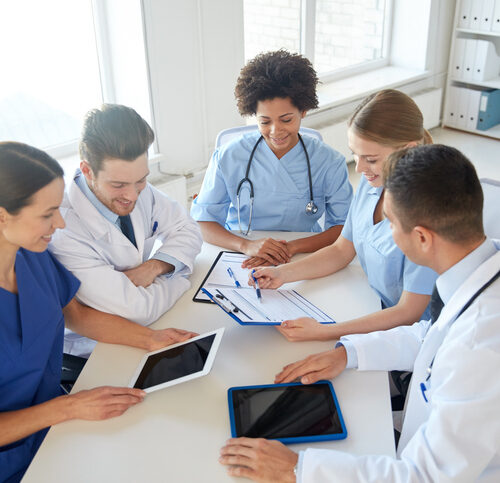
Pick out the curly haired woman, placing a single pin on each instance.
(278, 88)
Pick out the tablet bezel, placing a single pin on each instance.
(295, 439)
(206, 367)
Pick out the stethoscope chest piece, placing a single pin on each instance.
(311, 208)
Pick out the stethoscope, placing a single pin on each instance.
(424, 385)
(311, 207)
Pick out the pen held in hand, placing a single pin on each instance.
(257, 287)
(231, 274)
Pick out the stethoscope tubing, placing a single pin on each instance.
(311, 207)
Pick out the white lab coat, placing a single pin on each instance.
(97, 253)
(456, 435)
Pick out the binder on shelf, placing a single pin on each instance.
(462, 108)
(451, 114)
(495, 21)
(464, 14)
(475, 14)
(489, 110)
(487, 14)
(473, 108)
(487, 62)
(469, 59)
(458, 58)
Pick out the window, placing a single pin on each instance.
(334, 34)
(50, 72)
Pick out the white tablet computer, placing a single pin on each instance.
(177, 363)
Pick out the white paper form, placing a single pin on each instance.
(276, 305)
(219, 276)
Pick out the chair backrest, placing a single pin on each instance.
(227, 134)
(491, 209)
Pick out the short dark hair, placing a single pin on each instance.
(24, 170)
(116, 132)
(276, 74)
(437, 187)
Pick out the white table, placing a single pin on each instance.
(176, 433)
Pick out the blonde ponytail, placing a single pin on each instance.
(391, 118)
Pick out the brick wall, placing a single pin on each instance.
(347, 31)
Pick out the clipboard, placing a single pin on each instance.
(281, 305)
(199, 295)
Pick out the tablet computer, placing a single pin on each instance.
(177, 363)
(290, 413)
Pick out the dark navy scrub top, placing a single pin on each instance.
(31, 346)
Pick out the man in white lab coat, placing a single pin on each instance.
(451, 428)
(130, 245)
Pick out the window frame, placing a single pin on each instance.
(307, 39)
(103, 53)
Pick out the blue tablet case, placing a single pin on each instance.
(291, 440)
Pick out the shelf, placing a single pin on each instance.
(488, 33)
(490, 84)
(462, 99)
(493, 132)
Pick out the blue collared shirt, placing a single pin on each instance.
(115, 220)
(281, 186)
(449, 281)
(388, 270)
(447, 284)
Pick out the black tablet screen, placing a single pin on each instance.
(174, 363)
(285, 412)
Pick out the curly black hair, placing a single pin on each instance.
(276, 74)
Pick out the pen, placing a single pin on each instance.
(155, 226)
(257, 287)
(231, 274)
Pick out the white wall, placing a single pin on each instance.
(195, 52)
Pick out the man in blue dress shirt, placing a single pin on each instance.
(451, 429)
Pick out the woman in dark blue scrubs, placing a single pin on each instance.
(36, 299)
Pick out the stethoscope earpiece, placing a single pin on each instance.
(311, 207)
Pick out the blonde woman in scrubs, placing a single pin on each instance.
(382, 124)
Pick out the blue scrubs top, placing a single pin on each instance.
(31, 346)
(388, 270)
(281, 186)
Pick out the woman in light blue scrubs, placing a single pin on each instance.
(382, 124)
(295, 178)
(36, 296)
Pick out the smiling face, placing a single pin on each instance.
(119, 183)
(369, 157)
(33, 226)
(279, 122)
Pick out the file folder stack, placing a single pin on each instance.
(475, 60)
(489, 110)
(472, 109)
(479, 15)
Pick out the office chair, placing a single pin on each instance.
(491, 209)
(227, 134)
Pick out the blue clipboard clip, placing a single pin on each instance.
(230, 310)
